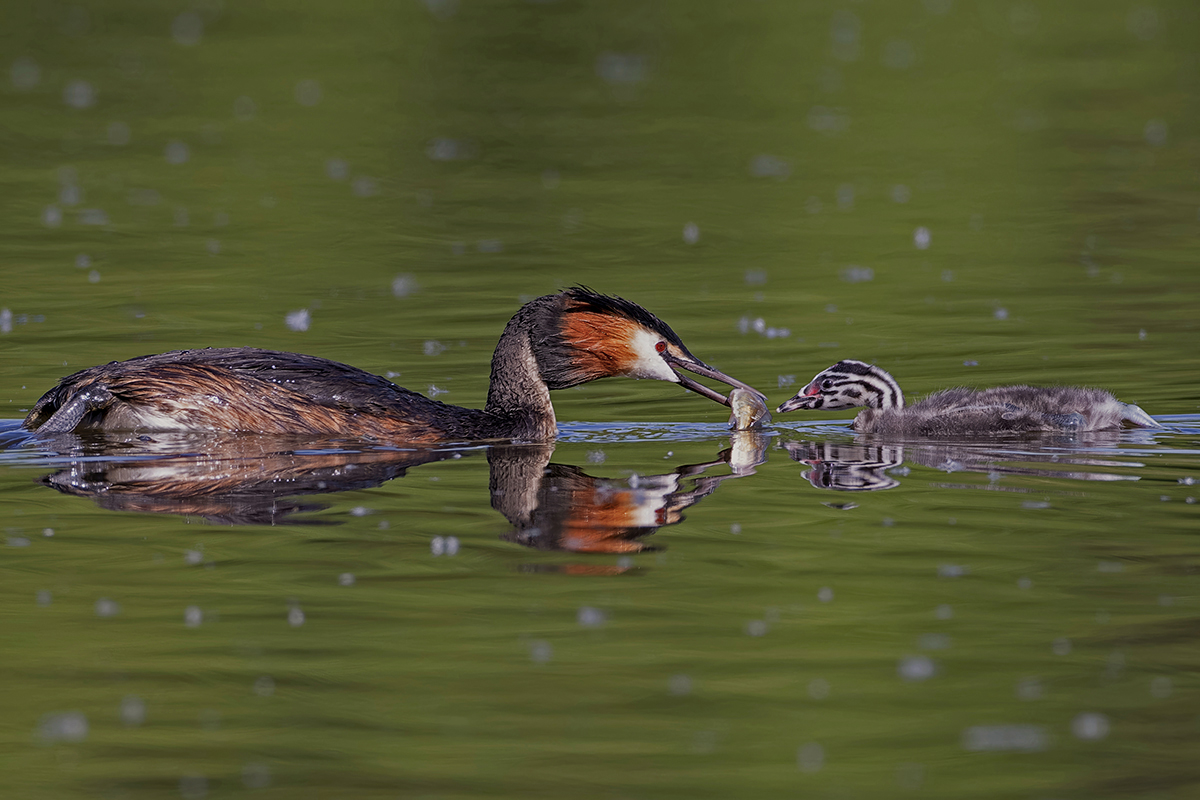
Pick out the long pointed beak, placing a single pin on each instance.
(699, 368)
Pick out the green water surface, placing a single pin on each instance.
(963, 192)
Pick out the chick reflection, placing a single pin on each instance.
(847, 467)
(866, 466)
(559, 507)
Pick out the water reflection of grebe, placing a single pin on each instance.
(241, 480)
(553, 342)
(957, 412)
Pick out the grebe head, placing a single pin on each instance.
(584, 336)
(847, 384)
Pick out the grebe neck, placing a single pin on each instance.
(516, 392)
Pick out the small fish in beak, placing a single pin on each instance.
(748, 411)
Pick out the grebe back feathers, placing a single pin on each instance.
(552, 342)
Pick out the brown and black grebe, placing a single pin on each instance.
(951, 412)
(553, 342)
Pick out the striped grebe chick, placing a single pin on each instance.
(960, 411)
(554, 342)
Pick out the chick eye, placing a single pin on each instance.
(827, 383)
(661, 347)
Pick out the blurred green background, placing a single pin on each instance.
(964, 192)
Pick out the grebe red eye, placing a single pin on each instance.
(661, 347)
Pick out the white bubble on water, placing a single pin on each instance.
(446, 149)
(1061, 646)
(818, 689)
(308, 92)
(1155, 132)
(933, 641)
(952, 570)
(256, 776)
(213, 246)
(1000, 313)
(922, 238)
(105, 607)
(362, 186)
(944, 611)
(755, 627)
(845, 30)
(404, 285)
(44, 597)
(346, 579)
(264, 686)
(540, 651)
(63, 726)
(337, 169)
(590, 617)
(193, 787)
(187, 28)
(679, 685)
(79, 94)
(769, 166)
(899, 54)
(1005, 738)
(52, 216)
(177, 152)
(298, 320)
(845, 196)
(621, 68)
(192, 556)
(691, 233)
(901, 193)
(244, 109)
(596, 457)
(133, 710)
(180, 217)
(70, 195)
(193, 616)
(1142, 22)
(916, 668)
(825, 594)
(810, 757)
(1090, 726)
(442, 9)
(118, 134)
(856, 274)
(25, 74)
(295, 617)
(432, 347)
(1029, 689)
(1161, 687)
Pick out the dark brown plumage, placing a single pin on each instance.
(552, 342)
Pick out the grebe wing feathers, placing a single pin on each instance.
(270, 381)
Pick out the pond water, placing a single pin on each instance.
(966, 194)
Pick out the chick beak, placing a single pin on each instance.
(802, 399)
(701, 368)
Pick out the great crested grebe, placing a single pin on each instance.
(554, 342)
(950, 412)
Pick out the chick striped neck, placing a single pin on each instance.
(861, 384)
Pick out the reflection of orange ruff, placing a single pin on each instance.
(609, 523)
(592, 570)
(602, 345)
